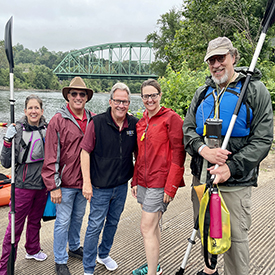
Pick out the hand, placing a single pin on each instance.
(167, 198)
(216, 155)
(222, 173)
(134, 191)
(56, 196)
(87, 191)
(11, 132)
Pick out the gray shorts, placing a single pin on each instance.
(151, 199)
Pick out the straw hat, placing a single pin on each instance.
(77, 83)
(218, 46)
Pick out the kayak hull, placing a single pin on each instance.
(5, 194)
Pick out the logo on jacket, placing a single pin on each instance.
(130, 133)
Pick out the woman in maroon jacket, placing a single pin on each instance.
(159, 168)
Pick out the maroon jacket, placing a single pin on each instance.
(61, 166)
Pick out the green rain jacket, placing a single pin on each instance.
(247, 152)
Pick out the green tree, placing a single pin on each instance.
(23, 55)
(4, 77)
(43, 77)
(168, 25)
(207, 19)
(178, 88)
(4, 64)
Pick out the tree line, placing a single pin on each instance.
(180, 43)
(182, 37)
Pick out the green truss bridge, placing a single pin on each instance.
(127, 60)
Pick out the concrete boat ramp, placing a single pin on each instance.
(177, 226)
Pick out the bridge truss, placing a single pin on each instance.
(127, 60)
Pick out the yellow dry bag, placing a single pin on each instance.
(214, 246)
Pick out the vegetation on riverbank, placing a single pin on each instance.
(180, 42)
(183, 35)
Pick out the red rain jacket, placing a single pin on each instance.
(161, 154)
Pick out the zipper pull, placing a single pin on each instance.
(143, 135)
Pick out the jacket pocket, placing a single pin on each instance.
(246, 213)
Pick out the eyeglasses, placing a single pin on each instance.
(219, 58)
(153, 96)
(74, 94)
(117, 102)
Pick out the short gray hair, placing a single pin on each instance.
(121, 86)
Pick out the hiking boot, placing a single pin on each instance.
(77, 253)
(143, 270)
(62, 269)
(109, 263)
(203, 273)
(40, 256)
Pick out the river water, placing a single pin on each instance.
(52, 101)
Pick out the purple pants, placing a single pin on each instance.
(28, 203)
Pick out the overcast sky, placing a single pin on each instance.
(63, 25)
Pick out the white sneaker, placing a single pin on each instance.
(88, 273)
(40, 256)
(109, 263)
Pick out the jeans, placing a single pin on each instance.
(69, 216)
(28, 203)
(106, 205)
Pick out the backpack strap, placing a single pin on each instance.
(27, 149)
(201, 97)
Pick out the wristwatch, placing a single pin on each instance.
(7, 139)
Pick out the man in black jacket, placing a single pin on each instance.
(107, 165)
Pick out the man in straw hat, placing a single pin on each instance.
(248, 145)
(62, 174)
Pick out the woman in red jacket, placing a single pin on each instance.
(159, 169)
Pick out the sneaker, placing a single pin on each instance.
(109, 263)
(88, 273)
(203, 273)
(143, 270)
(62, 269)
(77, 253)
(40, 256)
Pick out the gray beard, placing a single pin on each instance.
(222, 80)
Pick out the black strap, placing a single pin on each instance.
(248, 115)
(23, 144)
(201, 97)
(206, 226)
(27, 147)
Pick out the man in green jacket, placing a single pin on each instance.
(249, 144)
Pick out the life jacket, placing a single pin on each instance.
(226, 109)
(32, 145)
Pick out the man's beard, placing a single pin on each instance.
(222, 80)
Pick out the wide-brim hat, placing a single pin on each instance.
(218, 46)
(79, 84)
